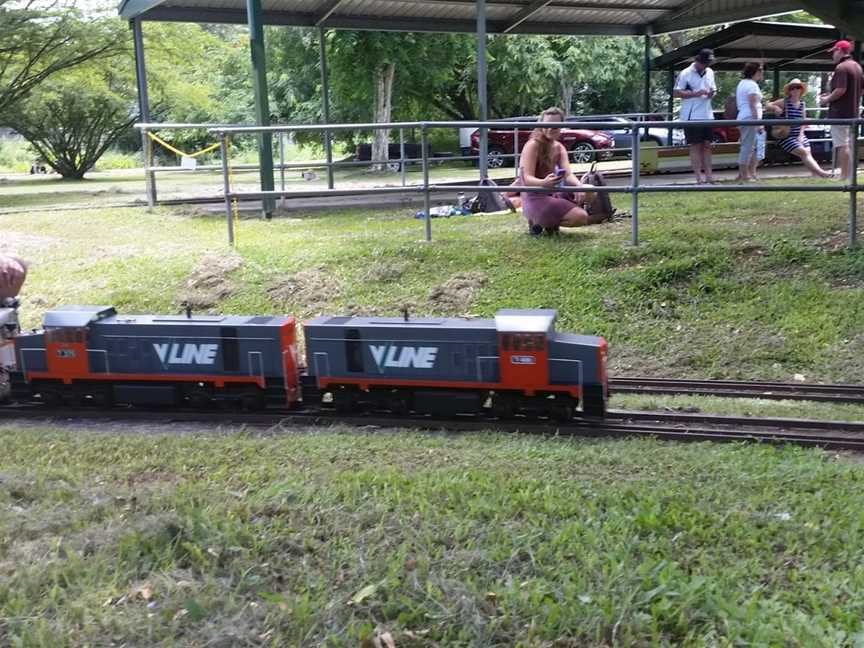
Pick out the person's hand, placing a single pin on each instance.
(551, 180)
(760, 129)
(823, 100)
(12, 275)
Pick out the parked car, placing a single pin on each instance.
(624, 137)
(584, 145)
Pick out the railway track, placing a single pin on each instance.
(831, 435)
(838, 393)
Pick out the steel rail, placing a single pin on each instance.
(619, 425)
(740, 389)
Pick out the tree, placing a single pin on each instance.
(41, 38)
(73, 119)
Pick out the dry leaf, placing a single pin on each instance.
(363, 594)
(386, 640)
(411, 564)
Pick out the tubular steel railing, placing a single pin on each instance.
(427, 188)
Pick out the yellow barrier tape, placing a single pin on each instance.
(158, 139)
(235, 205)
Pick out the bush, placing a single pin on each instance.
(16, 156)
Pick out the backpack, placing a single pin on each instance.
(600, 204)
(488, 202)
(730, 108)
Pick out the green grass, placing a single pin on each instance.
(332, 537)
(732, 288)
(135, 536)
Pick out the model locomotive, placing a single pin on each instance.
(514, 364)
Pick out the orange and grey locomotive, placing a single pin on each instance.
(516, 364)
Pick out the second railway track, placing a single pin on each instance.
(837, 393)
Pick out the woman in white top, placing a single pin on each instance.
(748, 97)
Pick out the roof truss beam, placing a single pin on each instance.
(696, 15)
(331, 7)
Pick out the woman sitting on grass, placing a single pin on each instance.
(545, 163)
(795, 143)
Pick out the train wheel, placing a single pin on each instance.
(398, 404)
(593, 403)
(52, 397)
(503, 406)
(562, 410)
(252, 401)
(344, 401)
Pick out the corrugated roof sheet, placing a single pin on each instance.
(507, 16)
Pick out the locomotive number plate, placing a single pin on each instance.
(65, 353)
(523, 360)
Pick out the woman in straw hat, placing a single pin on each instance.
(794, 141)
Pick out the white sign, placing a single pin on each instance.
(188, 163)
(403, 357)
(186, 354)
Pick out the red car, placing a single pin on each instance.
(584, 145)
(723, 134)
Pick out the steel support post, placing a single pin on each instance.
(776, 82)
(515, 150)
(262, 104)
(144, 109)
(481, 88)
(402, 162)
(325, 103)
(226, 187)
(634, 203)
(853, 193)
(427, 209)
(282, 167)
(670, 105)
(646, 100)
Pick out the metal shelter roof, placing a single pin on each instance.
(785, 46)
(614, 17)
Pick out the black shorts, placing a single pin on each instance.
(698, 135)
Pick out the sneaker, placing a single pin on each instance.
(535, 230)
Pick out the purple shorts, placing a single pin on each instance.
(548, 210)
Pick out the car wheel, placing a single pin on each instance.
(582, 153)
(495, 158)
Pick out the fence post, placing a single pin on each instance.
(424, 142)
(634, 205)
(853, 193)
(516, 150)
(282, 167)
(402, 154)
(223, 147)
(149, 176)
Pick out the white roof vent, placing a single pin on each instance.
(513, 320)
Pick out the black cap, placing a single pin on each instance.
(706, 56)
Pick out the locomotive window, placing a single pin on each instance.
(506, 342)
(354, 350)
(230, 348)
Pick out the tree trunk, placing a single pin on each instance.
(384, 76)
(566, 98)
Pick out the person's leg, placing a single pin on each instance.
(746, 152)
(840, 138)
(805, 156)
(707, 161)
(696, 161)
(578, 217)
(843, 161)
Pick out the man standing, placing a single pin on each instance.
(844, 102)
(696, 87)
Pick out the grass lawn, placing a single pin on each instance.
(134, 536)
(336, 537)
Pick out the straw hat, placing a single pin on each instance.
(792, 84)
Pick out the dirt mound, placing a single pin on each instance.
(308, 292)
(208, 284)
(458, 292)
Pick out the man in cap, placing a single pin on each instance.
(696, 87)
(844, 102)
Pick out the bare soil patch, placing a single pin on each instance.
(209, 282)
(458, 292)
(26, 244)
(306, 293)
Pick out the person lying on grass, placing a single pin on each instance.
(546, 163)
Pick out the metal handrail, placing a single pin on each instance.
(427, 188)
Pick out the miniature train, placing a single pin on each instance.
(513, 365)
